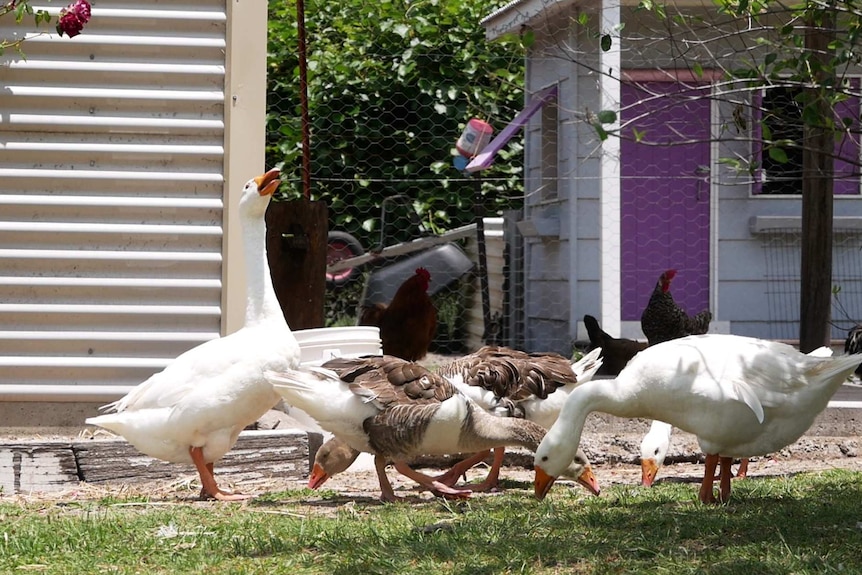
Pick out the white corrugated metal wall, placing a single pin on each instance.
(111, 186)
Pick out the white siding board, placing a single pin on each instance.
(111, 185)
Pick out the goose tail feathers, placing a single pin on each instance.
(301, 386)
(831, 369)
(586, 367)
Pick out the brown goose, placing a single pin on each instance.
(509, 382)
(398, 410)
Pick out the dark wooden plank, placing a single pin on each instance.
(256, 455)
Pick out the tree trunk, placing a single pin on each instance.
(815, 302)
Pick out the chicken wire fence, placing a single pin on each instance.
(386, 167)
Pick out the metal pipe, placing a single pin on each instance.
(303, 100)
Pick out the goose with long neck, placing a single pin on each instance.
(261, 302)
(397, 410)
(740, 396)
(194, 409)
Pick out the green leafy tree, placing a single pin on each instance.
(391, 85)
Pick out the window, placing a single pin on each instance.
(781, 114)
(550, 151)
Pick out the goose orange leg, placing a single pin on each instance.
(742, 471)
(458, 470)
(434, 486)
(492, 480)
(706, 495)
(386, 492)
(210, 487)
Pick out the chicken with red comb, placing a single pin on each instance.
(663, 320)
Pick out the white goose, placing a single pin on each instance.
(398, 410)
(740, 396)
(656, 443)
(194, 409)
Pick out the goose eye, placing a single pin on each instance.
(545, 458)
(656, 451)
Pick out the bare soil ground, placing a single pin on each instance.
(360, 488)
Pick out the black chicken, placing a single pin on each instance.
(663, 320)
(616, 352)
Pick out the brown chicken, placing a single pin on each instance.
(408, 323)
(663, 320)
(616, 352)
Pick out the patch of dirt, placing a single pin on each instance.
(356, 489)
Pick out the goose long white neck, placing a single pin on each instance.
(599, 395)
(261, 302)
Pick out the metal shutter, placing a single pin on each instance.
(111, 186)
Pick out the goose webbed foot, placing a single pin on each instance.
(210, 488)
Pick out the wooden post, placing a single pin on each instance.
(296, 250)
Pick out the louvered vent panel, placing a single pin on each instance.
(111, 183)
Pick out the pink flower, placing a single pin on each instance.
(73, 17)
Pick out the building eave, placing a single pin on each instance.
(520, 14)
(514, 16)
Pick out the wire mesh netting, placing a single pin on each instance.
(698, 170)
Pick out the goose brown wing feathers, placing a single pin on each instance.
(512, 374)
(389, 381)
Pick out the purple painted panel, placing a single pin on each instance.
(665, 193)
(847, 147)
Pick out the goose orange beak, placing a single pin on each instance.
(267, 183)
(543, 483)
(317, 478)
(649, 469)
(588, 480)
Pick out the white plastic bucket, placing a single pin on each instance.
(322, 344)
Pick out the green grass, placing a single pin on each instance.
(805, 524)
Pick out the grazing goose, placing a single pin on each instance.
(194, 409)
(513, 383)
(335, 456)
(656, 442)
(398, 410)
(740, 396)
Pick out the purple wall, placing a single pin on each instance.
(665, 193)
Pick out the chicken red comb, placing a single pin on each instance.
(422, 272)
(669, 274)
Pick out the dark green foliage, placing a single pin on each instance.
(391, 85)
